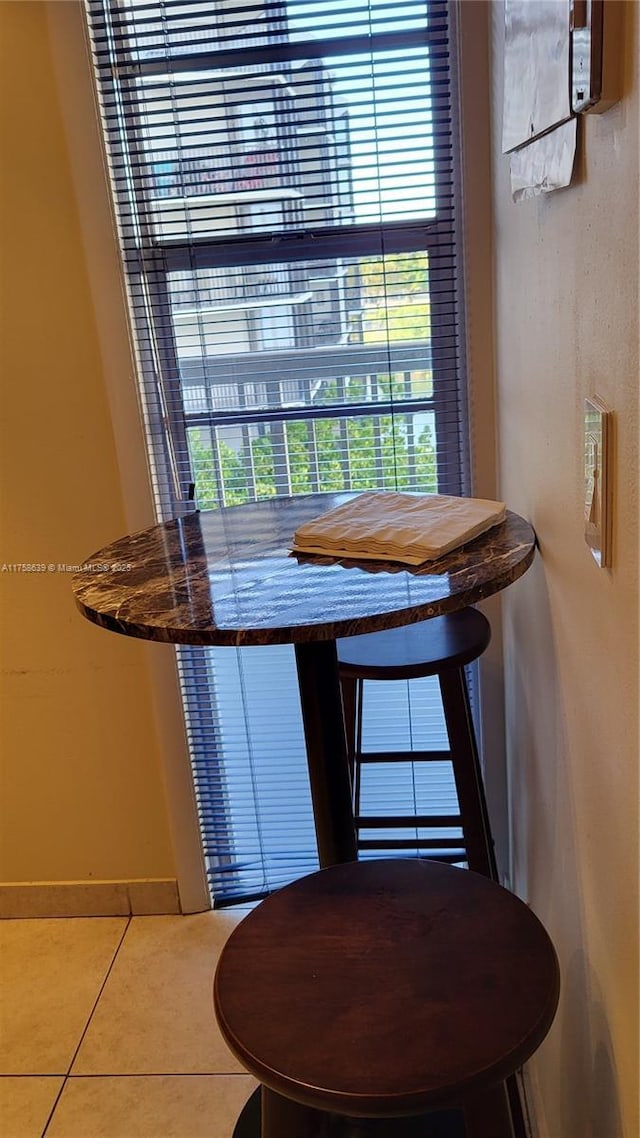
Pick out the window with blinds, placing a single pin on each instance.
(285, 184)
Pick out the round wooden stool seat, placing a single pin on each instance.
(386, 988)
(416, 650)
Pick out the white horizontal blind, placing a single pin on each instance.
(285, 180)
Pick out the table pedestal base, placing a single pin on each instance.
(436, 1124)
(326, 746)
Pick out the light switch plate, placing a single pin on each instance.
(598, 489)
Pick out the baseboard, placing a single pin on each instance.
(143, 897)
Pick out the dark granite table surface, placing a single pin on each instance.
(226, 577)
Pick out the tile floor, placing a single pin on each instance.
(107, 1029)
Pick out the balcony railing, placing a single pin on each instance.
(309, 370)
(313, 420)
(229, 286)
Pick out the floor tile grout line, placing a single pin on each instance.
(158, 1075)
(187, 1075)
(164, 1075)
(54, 1105)
(101, 990)
(86, 1026)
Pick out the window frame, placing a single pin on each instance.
(158, 257)
(161, 257)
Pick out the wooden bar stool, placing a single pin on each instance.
(389, 998)
(440, 647)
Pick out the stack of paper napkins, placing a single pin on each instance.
(389, 526)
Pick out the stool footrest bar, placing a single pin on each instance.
(388, 821)
(403, 756)
(412, 844)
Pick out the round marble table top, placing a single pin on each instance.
(227, 577)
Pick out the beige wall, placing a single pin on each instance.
(82, 792)
(567, 326)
